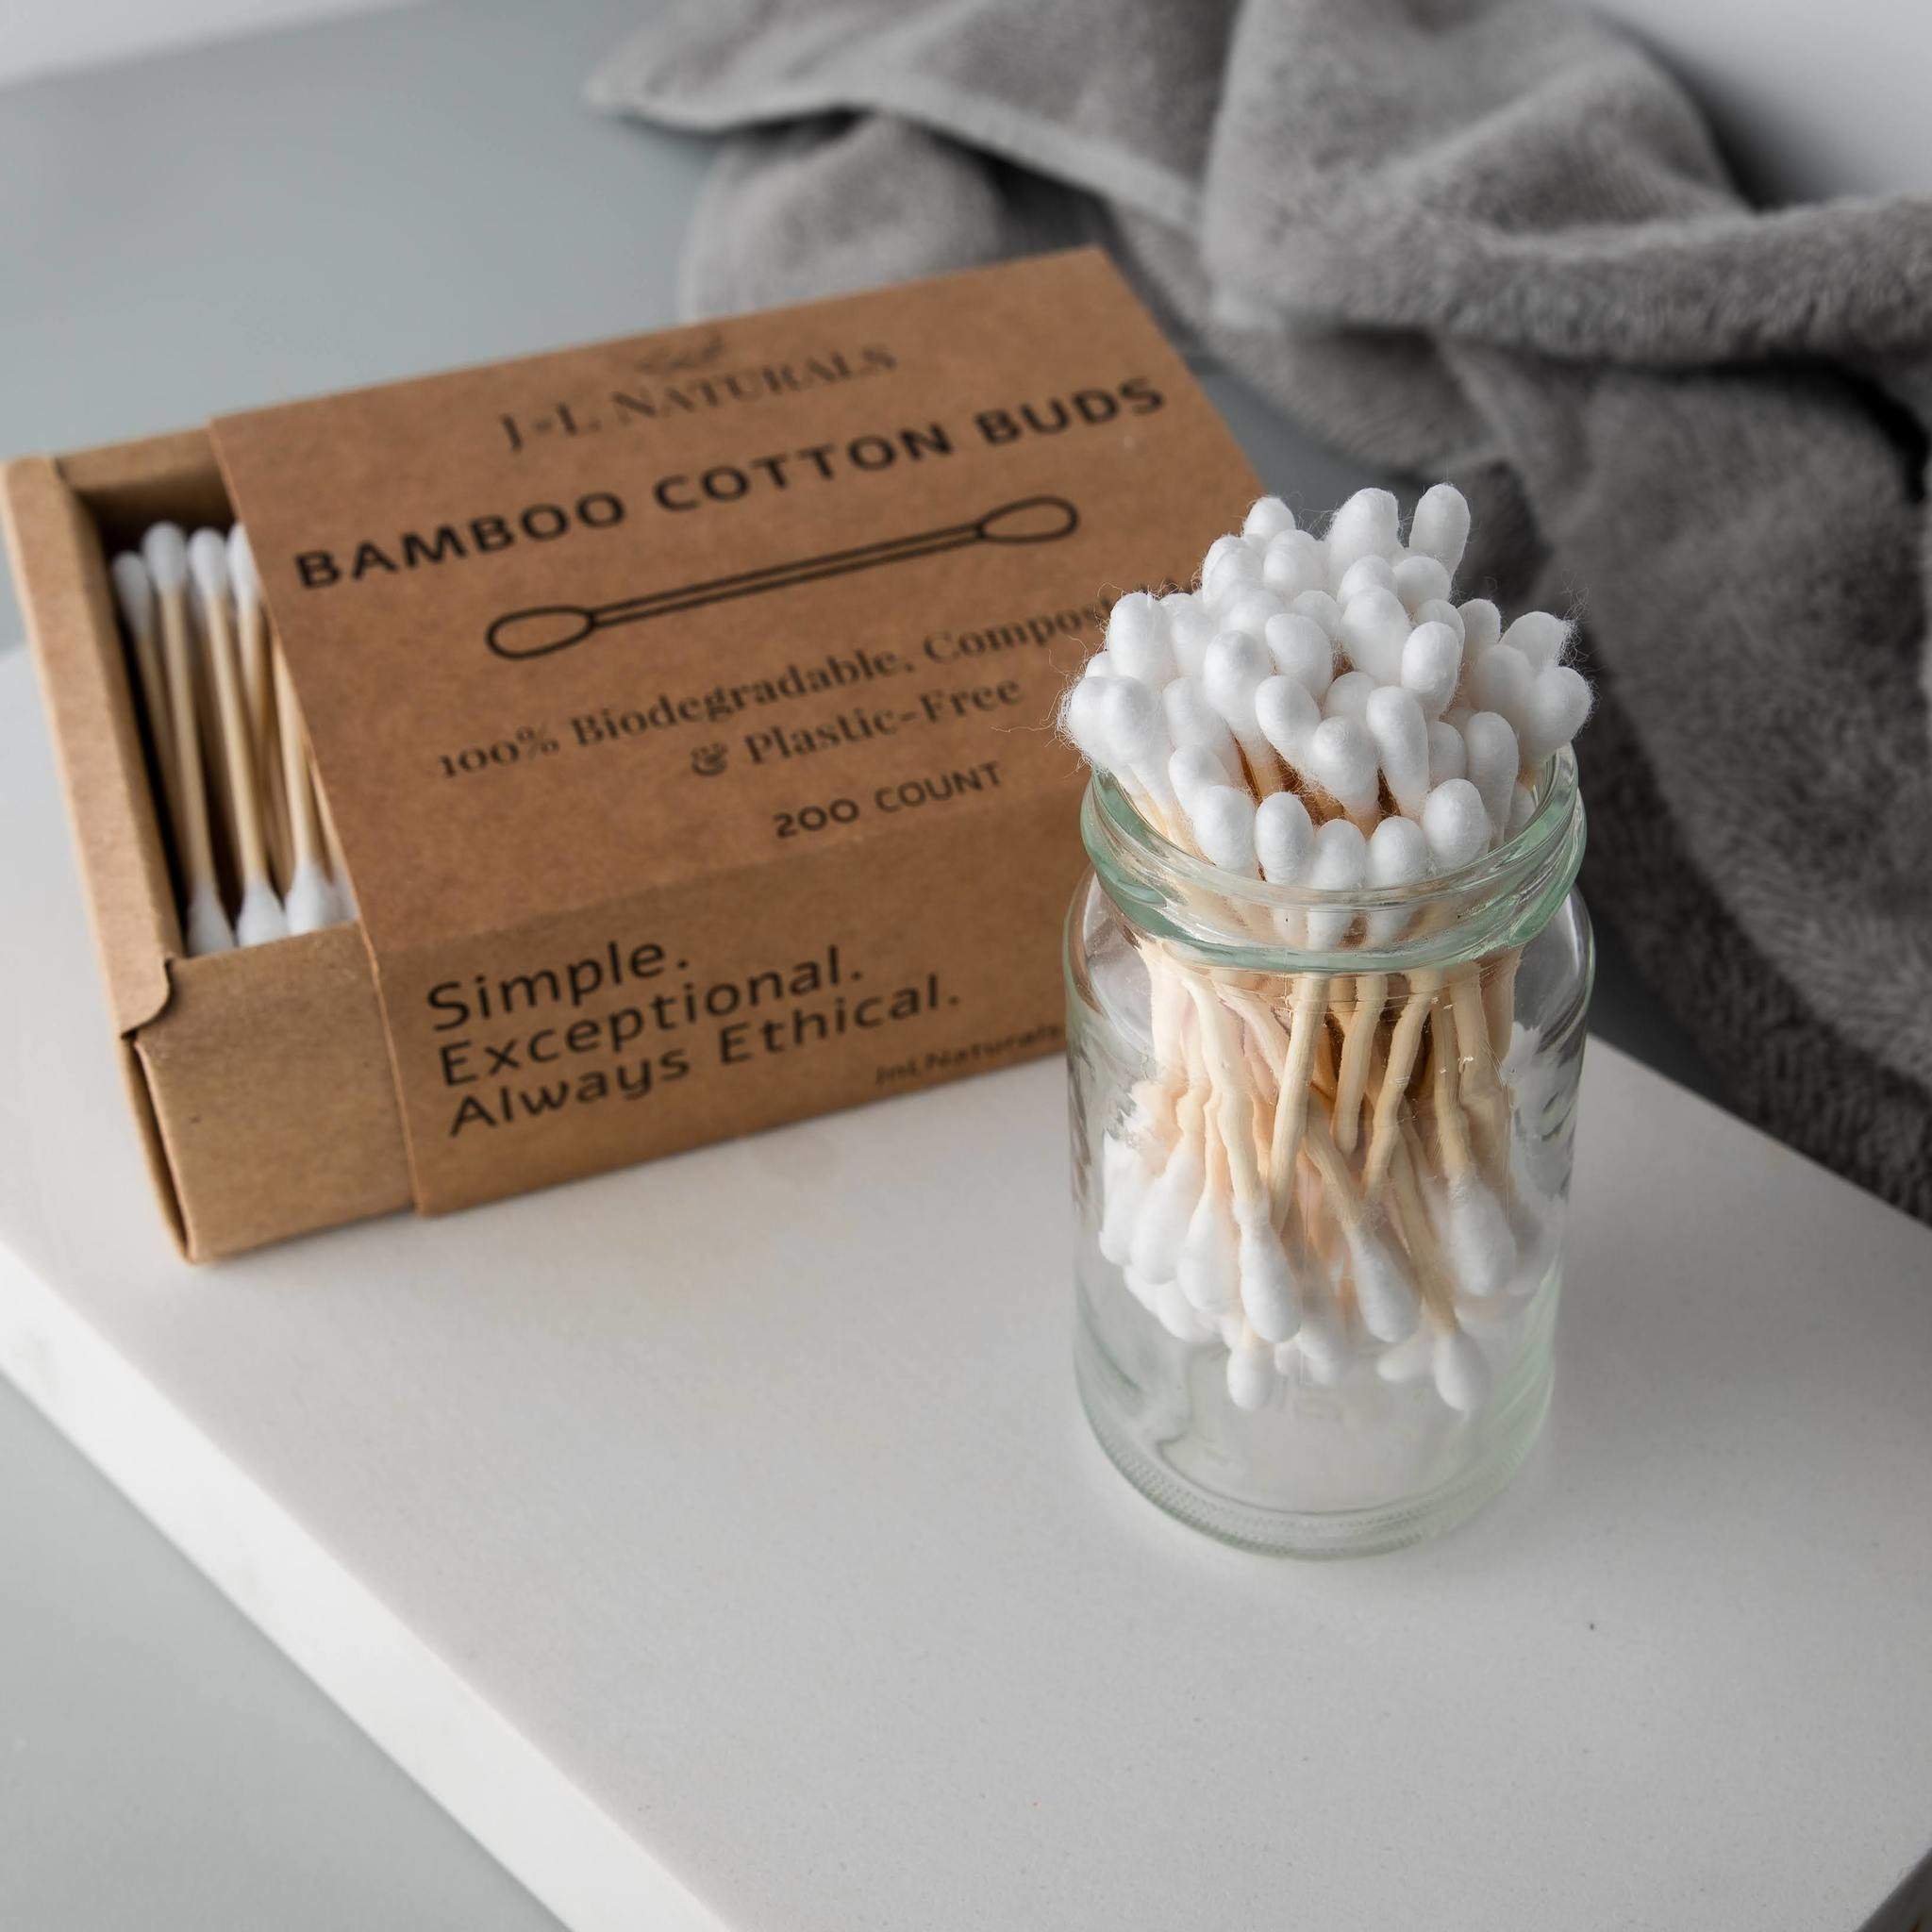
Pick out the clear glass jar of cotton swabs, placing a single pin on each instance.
(1323, 1085)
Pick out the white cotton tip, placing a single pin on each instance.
(1189, 629)
(1232, 1327)
(1236, 666)
(1348, 696)
(1365, 574)
(1439, 611)
(1431, 664)
(1482, 626)
(1161, 1225)
(1553, 712)
(1374, 628)
(1125, 1178)
(164, 550)
(1461, 1371)
(1145, 1292)
(1541, 638)
(1284, 838)
(1401, 735)
(1302, 650)
(1134, 724)
(1251, 1378)
(1193, 770)
(1494, 762)
(208, 930)
(1267, 519)
(1383, 1291)
(241, 571)
(1295, 563)
(312, 903)
(1208, 1269)
(1500, 682)
(1410, 1361)
(259, 918)
(1365, 525)
(1521, 809)
(1193, 723)
(1481, 1248)
(1318, 606)
(1455, 825)
(1341, 760)
(1448, 753)
(1338, 863)
(1236, 570)
(1271, 1298)
(1440, 528)
(1418, 581)
(1287, 716)
(1223, 821)
(1221, 548)
(1324, 1345)
(1398, 856)
(1137, 639)
(208, 564)
(134, 593)
(1172, 1311)
(1251, 611)
(1081, 720)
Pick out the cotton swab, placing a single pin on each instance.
(1431, 665)
(1374, 629)
(1235, 668)
(134, 591)
(313, 901)
(1552, 711)
(1439, 526)
(1493, 762)
(164, 550)
(1342, 761)
(260, 916)
(1365, 525)
(1302, 650)
(1394, 721)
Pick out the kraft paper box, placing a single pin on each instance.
(684, 703)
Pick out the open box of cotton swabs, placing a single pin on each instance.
(491, 779)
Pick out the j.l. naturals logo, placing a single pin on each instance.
(689, 376)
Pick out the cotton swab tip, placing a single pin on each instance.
(312, 903)
(1455, 825)
(1440, 528)
(1301, 650)
(1268, 518)
(1284, 837)
(1223, 820)
(208, 564)
(241, 570)
(164, 550)
(259, 918)
(1461, 1371)
(134, 593)
(208, 930)
(1541, 638)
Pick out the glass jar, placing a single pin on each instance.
(1321, 1147)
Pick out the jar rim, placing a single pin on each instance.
(1500, 897)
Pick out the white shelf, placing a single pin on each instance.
(722, 1544)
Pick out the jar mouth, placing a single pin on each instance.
(1500, 898)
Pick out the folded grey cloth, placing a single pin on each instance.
(1489, 239)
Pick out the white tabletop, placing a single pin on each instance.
(720, 1541)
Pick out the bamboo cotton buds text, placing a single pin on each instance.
(1318, 1172)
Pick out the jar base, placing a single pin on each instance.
(1510, 1430)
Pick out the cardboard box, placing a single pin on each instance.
(685, 706)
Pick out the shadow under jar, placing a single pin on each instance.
(1321, 1146)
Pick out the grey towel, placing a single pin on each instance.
(1484, 238)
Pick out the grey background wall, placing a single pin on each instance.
(1812, 97)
